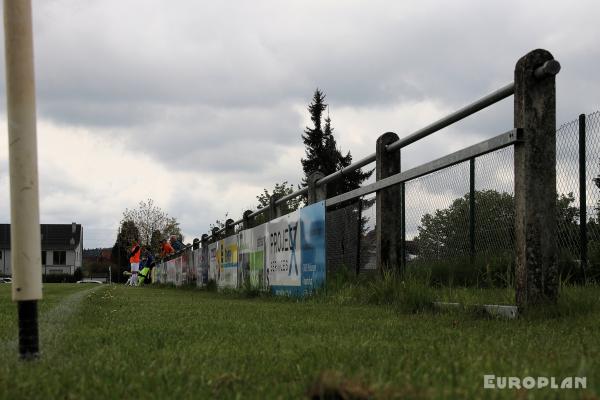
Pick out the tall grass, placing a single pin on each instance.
(406, 292)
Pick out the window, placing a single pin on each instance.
(43, 258)
(59, 258)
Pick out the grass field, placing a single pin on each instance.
(118, 342)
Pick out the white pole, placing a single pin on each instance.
(24, 196)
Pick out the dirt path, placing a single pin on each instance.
(52, 322)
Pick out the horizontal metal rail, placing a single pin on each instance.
(291, 196)
(479, 149)
(464, 112)
(258, 212)
(350, 168)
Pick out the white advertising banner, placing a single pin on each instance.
(227, 262)
(282, 252)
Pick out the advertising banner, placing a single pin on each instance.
(188, 272)
(178, 271)
(213, 271)
(200, 257)
(171, 271)
(227, 262)
(159, 273)
(296, 251)
(252, 257)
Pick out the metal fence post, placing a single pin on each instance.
(583, 241)
(535, 179)
(316, 192)
(359, 235)
(403, 226)
(472, 210)
(388, 235)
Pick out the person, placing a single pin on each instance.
(147, 259)
(134, 260)
(165, 248)
(144, 274)
(176, 243)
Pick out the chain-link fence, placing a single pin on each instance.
(343, 237)
(577, 167)
(470, 246)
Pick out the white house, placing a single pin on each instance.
(62, 248)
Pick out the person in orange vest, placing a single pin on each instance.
(166, 248)
(134, 260)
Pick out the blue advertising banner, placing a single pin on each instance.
(296, 251)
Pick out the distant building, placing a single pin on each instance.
(62, 248)
(99, 255)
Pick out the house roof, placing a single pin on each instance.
(54, 236)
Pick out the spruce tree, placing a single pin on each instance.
(322, 153)
(313, 137)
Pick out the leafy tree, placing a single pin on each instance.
(149, 219)
(444, 233)
(280, 190)
(322, 153)
(155, 239)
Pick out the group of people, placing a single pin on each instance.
(142, 260)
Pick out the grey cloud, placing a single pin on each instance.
(213, 88)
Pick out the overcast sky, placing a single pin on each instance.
(200, 105)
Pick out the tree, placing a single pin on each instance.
(128, 232)
(280, 190)
(151, 223)
(444, 233)
(322, 153)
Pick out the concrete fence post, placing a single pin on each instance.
(316, 192)
(204, 251)
(248, 222)
(229, 228)
(535, 179)
(215, 234)
(388, 206)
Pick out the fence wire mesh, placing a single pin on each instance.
(368, 243)
(567, 188)
(437, 213)
(343, 237)
(592, 162)
(494, 203)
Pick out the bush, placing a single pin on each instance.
(59, 278)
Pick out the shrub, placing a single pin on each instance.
(59, 278)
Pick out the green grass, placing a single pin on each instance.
(119, 342)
